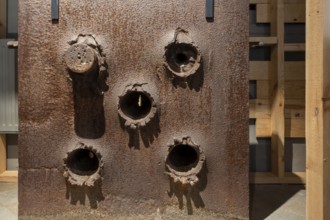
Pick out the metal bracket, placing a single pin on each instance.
(55, 10)
(12, 44)
(209, 9)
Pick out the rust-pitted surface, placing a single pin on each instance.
(210, 106)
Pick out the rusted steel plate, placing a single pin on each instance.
(133, 109)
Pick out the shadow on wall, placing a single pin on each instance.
(79, 194)
(193, 82)
(88, 106)
(190, 193)
(146, 134)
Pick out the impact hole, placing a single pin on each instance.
(135, 105)
(83, 162)
(183, 158)
(181, 58)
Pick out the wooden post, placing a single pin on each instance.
(277, 83)
(318, 109)
(3, 18)
(3, 153)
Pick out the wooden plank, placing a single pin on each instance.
(293, 13)
(295, 128)
(261, 41)
(270, 178)
(9, 177)
(295, 113)
(278, 85)
(269, 1)
(259, 108)
(259, 1)
(294, 70)
(259, 70)
(3, 153)
(263, 89)
(294, 47)
(295, 108)
(3, 18)
(318, 109)
(295, 89)
(263, 128)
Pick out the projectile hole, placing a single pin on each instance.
(182, 57)
(83, 162)
(182, 158)
(135, 105)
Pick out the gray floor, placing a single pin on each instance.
(272, 202)
(8, 201)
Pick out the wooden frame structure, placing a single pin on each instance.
(280, 105)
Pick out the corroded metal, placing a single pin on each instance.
(182, 56)
(135, 98)
(192, 72)
(80, 58)
(76, 167)
(187, 172)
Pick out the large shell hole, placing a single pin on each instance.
(135, 105)
(182, 157)
(83, 162)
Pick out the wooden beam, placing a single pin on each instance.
(259, 108)
(293, 70)
(293, 13)
(259, 70)
(264, 89)
(318, 109)
(3, 18)
(9, 177)
(270, 178)
(295, 89)
(269, 1)
(278, 85)
(263, 41)
(294, 47)
(263, 127)
(295, 127)
(3, 153)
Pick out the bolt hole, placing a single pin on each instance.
(181, 58)
(135, 105)
(183, 158)
(83, 162)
